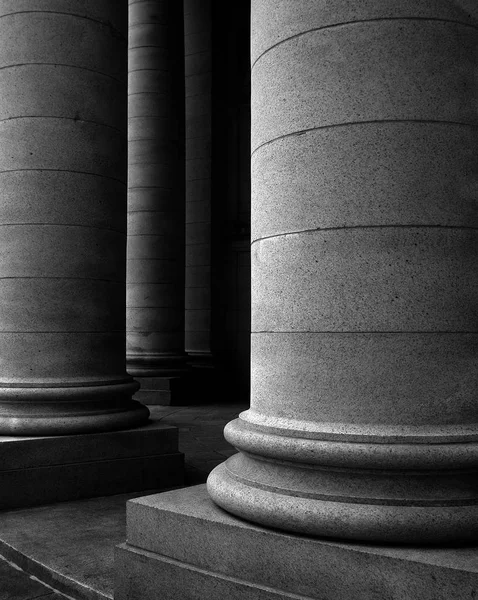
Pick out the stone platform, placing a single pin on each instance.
(42, 470)
(179, 542)
(80, 561)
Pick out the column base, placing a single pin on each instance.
(155, 364)
(44, 470)
(51, 411)
(359, 489)
(218, 556)
(163, 391)
(201, 360)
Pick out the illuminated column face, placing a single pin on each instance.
(63, 218)
(363, 419)
(198, 77)
(155, 266)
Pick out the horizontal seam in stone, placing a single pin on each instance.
(63, 118)
(63, 225)
(81, 462)
(209, 573)
(149, 235)
(354, 227)
(72, 331)
(68, 278)
(152, 162)
(143, 139)
(161, 24)
(150, 187)
(63, 171)
(155, 70)
(49, 594)
(147, 46)
(353, 123)
(361, 332)
(348, 23)
(154, 211)
(164, 118)
(197, 53)
(57, 12)
(330, 497)
(166, 94)
(45, 64)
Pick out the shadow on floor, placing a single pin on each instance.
(69, 545)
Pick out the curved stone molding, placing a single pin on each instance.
(363, 420)
(62, 219)
(155, 265)
(364, 518)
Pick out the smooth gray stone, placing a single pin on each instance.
(217, 556)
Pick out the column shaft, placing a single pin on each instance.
(63, 218)
(198, 72)
(363, 421)
(155, 267)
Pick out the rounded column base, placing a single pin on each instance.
(45, 411)
(406, 493)
(156, 365)
(389, 523)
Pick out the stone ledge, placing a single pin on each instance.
(141, 574)
(43, 470)
(226, 557)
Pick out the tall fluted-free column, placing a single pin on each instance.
(155, 271)
(198, 74)
(63, 218)
(364, 420)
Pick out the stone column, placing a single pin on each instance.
(155, 272)
(63, 218)
(198, 73)
(364, 416)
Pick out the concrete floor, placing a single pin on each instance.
(69, 546)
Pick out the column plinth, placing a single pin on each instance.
(63, 220)
(363, 420)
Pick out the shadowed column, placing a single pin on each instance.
(363, 421)
(198, 74)
(63, 218)
(155, 272)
